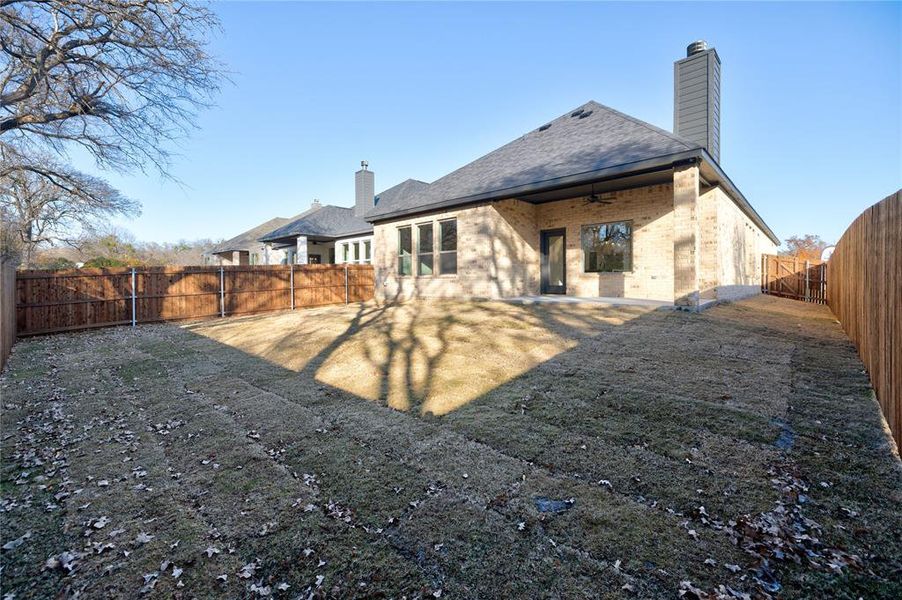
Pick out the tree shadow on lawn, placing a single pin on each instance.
(640, 421)
(671, 411)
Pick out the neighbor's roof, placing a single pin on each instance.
(248, 239)
(582, 145)
(587, 139)
(328, 221)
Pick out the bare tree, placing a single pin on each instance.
(49, 204)
(120, 78)
(807, 247)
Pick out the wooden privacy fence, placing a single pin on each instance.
(789, 277)
(864, 291)
(54, 301)
(7, 309)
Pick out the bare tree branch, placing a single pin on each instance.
(45, 204)
(121, 78)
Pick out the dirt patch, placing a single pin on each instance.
(472, 449)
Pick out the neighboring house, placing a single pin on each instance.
(243, 249)
(323, 235)
(593, 203)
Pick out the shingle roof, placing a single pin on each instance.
(407, 188)
(328, 221)
(589, 138)
(248, 239)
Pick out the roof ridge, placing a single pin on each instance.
(689, 145)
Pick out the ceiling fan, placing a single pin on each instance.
(594, 198)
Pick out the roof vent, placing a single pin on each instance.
(585, 114)
(545, 126)
(696, 47)
(577, 113)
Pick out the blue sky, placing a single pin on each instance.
(811, 97)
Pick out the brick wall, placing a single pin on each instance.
(498, 249)
(741, 244)
(497, 255)
(650, 209)
(685, 245)
(686, 237)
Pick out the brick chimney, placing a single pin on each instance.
(364, 190)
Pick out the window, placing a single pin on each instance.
(607, 247)
(425, 249)
(405, 251)
(448, 247)
(357, 255)
(346, 253)
(290, 256)
(367, 258)
(254, 259)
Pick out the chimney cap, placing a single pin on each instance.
(364, 164)
(696, 47)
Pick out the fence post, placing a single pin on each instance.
(347, 298)
(221, 292)
(291, 284)
(807, 281)
(134, 292)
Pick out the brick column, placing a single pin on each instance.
(301, 258)
(686, 237)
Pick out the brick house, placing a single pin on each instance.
(244, 248)
(594, 203)
(325, 234)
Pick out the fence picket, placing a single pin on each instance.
(782, 276)
(54, 301)
(865, 291)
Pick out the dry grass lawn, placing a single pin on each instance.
(406, 451)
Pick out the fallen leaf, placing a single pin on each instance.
(247, 571)
(261, 590)
(12, 545)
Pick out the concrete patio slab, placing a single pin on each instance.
(602, 300)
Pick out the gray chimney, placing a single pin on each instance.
(364, 189)
(696, 97)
